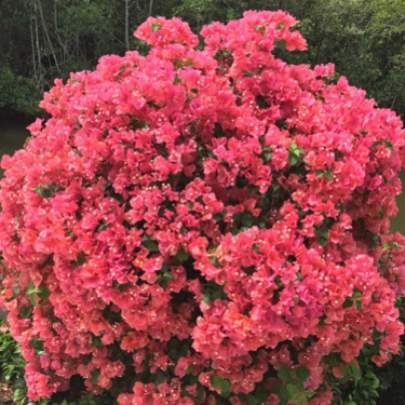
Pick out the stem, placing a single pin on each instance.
(126, 24)
(45, 28)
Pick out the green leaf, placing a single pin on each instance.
(102, 225)
(34, 293)
(292, 390)
(164, 276)
(218, 130)
(121, 287)
(244, 220)
(38, 345)
(161, 149)
(155, 26)
(111, 315)
(284, 373)
(354, 299)
(181, 256)
(222, 384)
(352, 371)
(279, 282)
(250, 399)
(280, 43)
(248, 74)
(295, 154)
(282, 123)
(96, 341)
(137, 124)
(333, 359)
(25, 311)
(356, 293)
(389, 245)
(80, 259)
(94, 376)
(348, 302)
(31, 292)
(46, 190)
(302, 373)
(322, 231)
(16, 291)
(222, 54)
(43, 292)
(215, 261)
(388, 144)
(282, 393)
(266, 154)
(150, 244)
(260, 394)
(159, 377)
(262, 102)
(213, 291)
(177, 348)
(300, 398)
(327, 174)
(249, 270)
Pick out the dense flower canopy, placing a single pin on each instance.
(204, 223)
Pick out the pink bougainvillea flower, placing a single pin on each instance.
(203, 222)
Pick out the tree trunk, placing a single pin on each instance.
(40, 82)
(126, 25)
(32, 40)
(58, 38)
(46, 32)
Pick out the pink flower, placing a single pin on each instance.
(205, 216)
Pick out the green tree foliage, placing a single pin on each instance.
(44, 39)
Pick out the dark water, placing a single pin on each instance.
(12, 136)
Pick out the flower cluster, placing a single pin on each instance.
(204, 223)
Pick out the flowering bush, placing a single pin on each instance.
(204, 224)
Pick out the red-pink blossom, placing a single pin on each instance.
(198, 220)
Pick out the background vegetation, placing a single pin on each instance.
(44, 39)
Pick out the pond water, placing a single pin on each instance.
(12, 136)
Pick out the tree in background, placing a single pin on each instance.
(44, 39)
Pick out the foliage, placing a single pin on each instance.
(12, 373)
(12, 367)
(365, 38)
(16, 92)
(391, 376)
(222, 216)
(385, 382)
